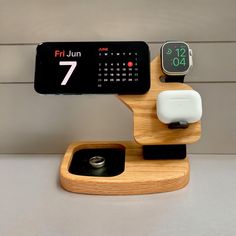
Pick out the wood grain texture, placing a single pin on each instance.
(140, 176)
(28, 21)
(148, 130)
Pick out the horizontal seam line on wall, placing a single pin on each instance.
(16, 82)
(210, 82)
(192, 41)
(150, 42)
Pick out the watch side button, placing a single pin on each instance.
(190, 58)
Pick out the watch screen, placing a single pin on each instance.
(175, 57)
(92, 67)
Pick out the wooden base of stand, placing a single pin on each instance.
(139, 177)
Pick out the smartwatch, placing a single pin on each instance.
(176, 60)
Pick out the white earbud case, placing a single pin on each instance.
(179, 105)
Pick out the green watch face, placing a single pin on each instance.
(175, 57)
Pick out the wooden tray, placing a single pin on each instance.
(140, 176)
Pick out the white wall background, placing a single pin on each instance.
(31, 123)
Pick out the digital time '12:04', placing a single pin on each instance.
(179, 56)
(175, 57)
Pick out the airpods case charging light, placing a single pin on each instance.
(179, 105)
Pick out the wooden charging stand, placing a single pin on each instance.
(140, 176)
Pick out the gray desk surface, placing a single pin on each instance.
(33, 203)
